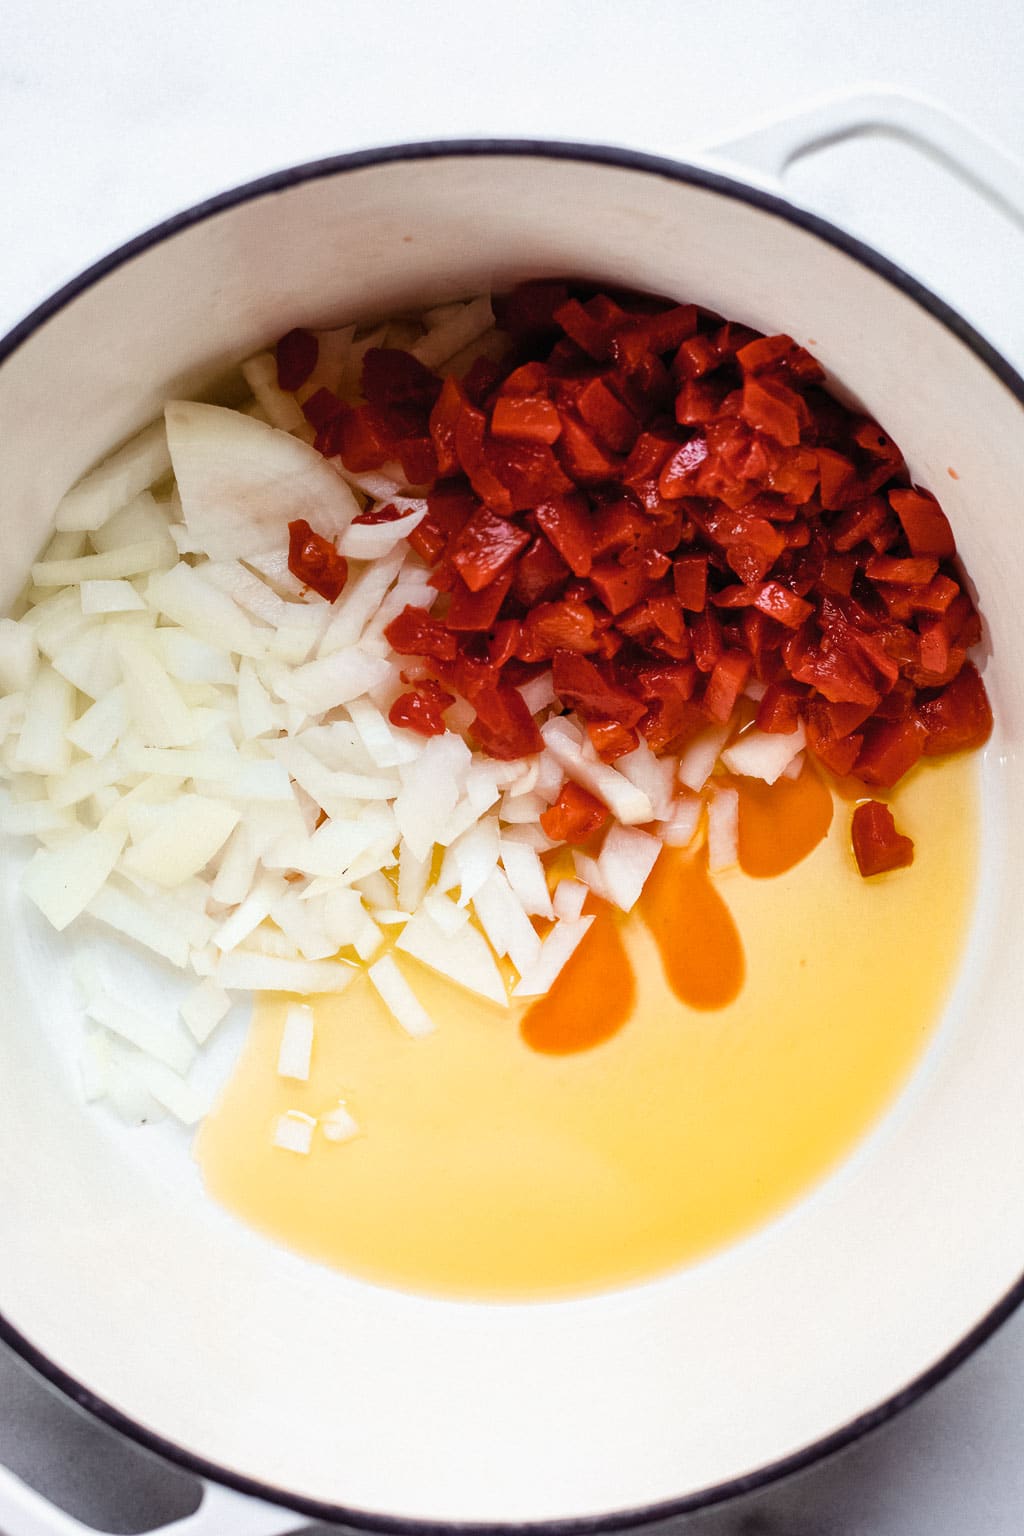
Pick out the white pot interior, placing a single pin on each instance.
(114, 1265)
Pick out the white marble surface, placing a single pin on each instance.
(114, 114)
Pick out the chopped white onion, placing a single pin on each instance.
(400, 998)
(764, 754)
(203, 1009)
(293, 1132)
(102, 492)
(569, 899)
(296, 1049)
(723, 829)
(339, 1124)
(626, 859)
(699, 756)
(463, 956)
(241, 971)
(557, 949)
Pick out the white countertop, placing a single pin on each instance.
(115, 114)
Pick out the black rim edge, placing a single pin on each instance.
(753, 196)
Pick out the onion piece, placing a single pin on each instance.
(339, 1124)
(245, 972)
(18, 656)
(186, 599)
(764, 754)
(281, 409)
(399, 997)
(569, 899)
(723, 829)
(526, 875)
(626, 859)
(163, 1039)
(369, 541)
(628, 805)
(679, 829)
(110, 596)
(63, 881)
(43, 745)
(296, 1049)
(171, 1092)
(700, 754)
(242, 482)
(444, 340)
(102, 492)
(462, 957)
(293, 1132)
(189, 832)
(203, 1009)
(130, 560)
(503, 918)
(555, 952)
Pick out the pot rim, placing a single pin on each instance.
(769, 202)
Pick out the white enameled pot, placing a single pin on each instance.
(287, 1381)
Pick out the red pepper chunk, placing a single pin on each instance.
(877, 846)
(484, 547)
(924, 523)
(580, 684)
(526, 416)
(611, 740)
(958, 719)
(312, 559)
(575, 815)
(415, 633)
(503, 725)
(296, 354)
(422, 709)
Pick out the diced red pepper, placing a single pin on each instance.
(779, 603)
(959, 719)
(690, 579)
(321, 407)
(415, 633)
(611, 739)
(837, 478)
(449, 508)
(901, 572)
(772, 408)
(473, 612)
(422, 710)
(567, 522)
(575, 815)
(312, 559)
(526, 416)
(444, 421)
(580, 685)
(891, 748)
(924, 523)
(877, 846)
(618, 586)
(604, 412)
(725, 684)
(581, 455)
(503, 725)
(484, 547)
(296, 355)
(540, 573)
(376, 515)
(558, 626)
(392, 376)
(780, 708)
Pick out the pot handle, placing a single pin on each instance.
(23, 1512)
(974, 159)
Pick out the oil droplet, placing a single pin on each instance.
(781, 823)
(593, 996)
(697, 939)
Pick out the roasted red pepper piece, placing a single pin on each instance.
(877, 846)
(416, 633)
(315, 561)
(618, 586)
(575, 815)
(473, 612)
(780, 708)
(690, 579)
(552, 627)
(526, 416)
(924, 523)
(891, 748)
(604, 412)
(580, 685)
(725, 684)
(779, 603)
(611, 739)
(772, 408)
(484, 547)
(422, 710)
(567, 523)
(958, 719)
(296, 355)
(503, 725)
(540, 573)
(386, 514)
